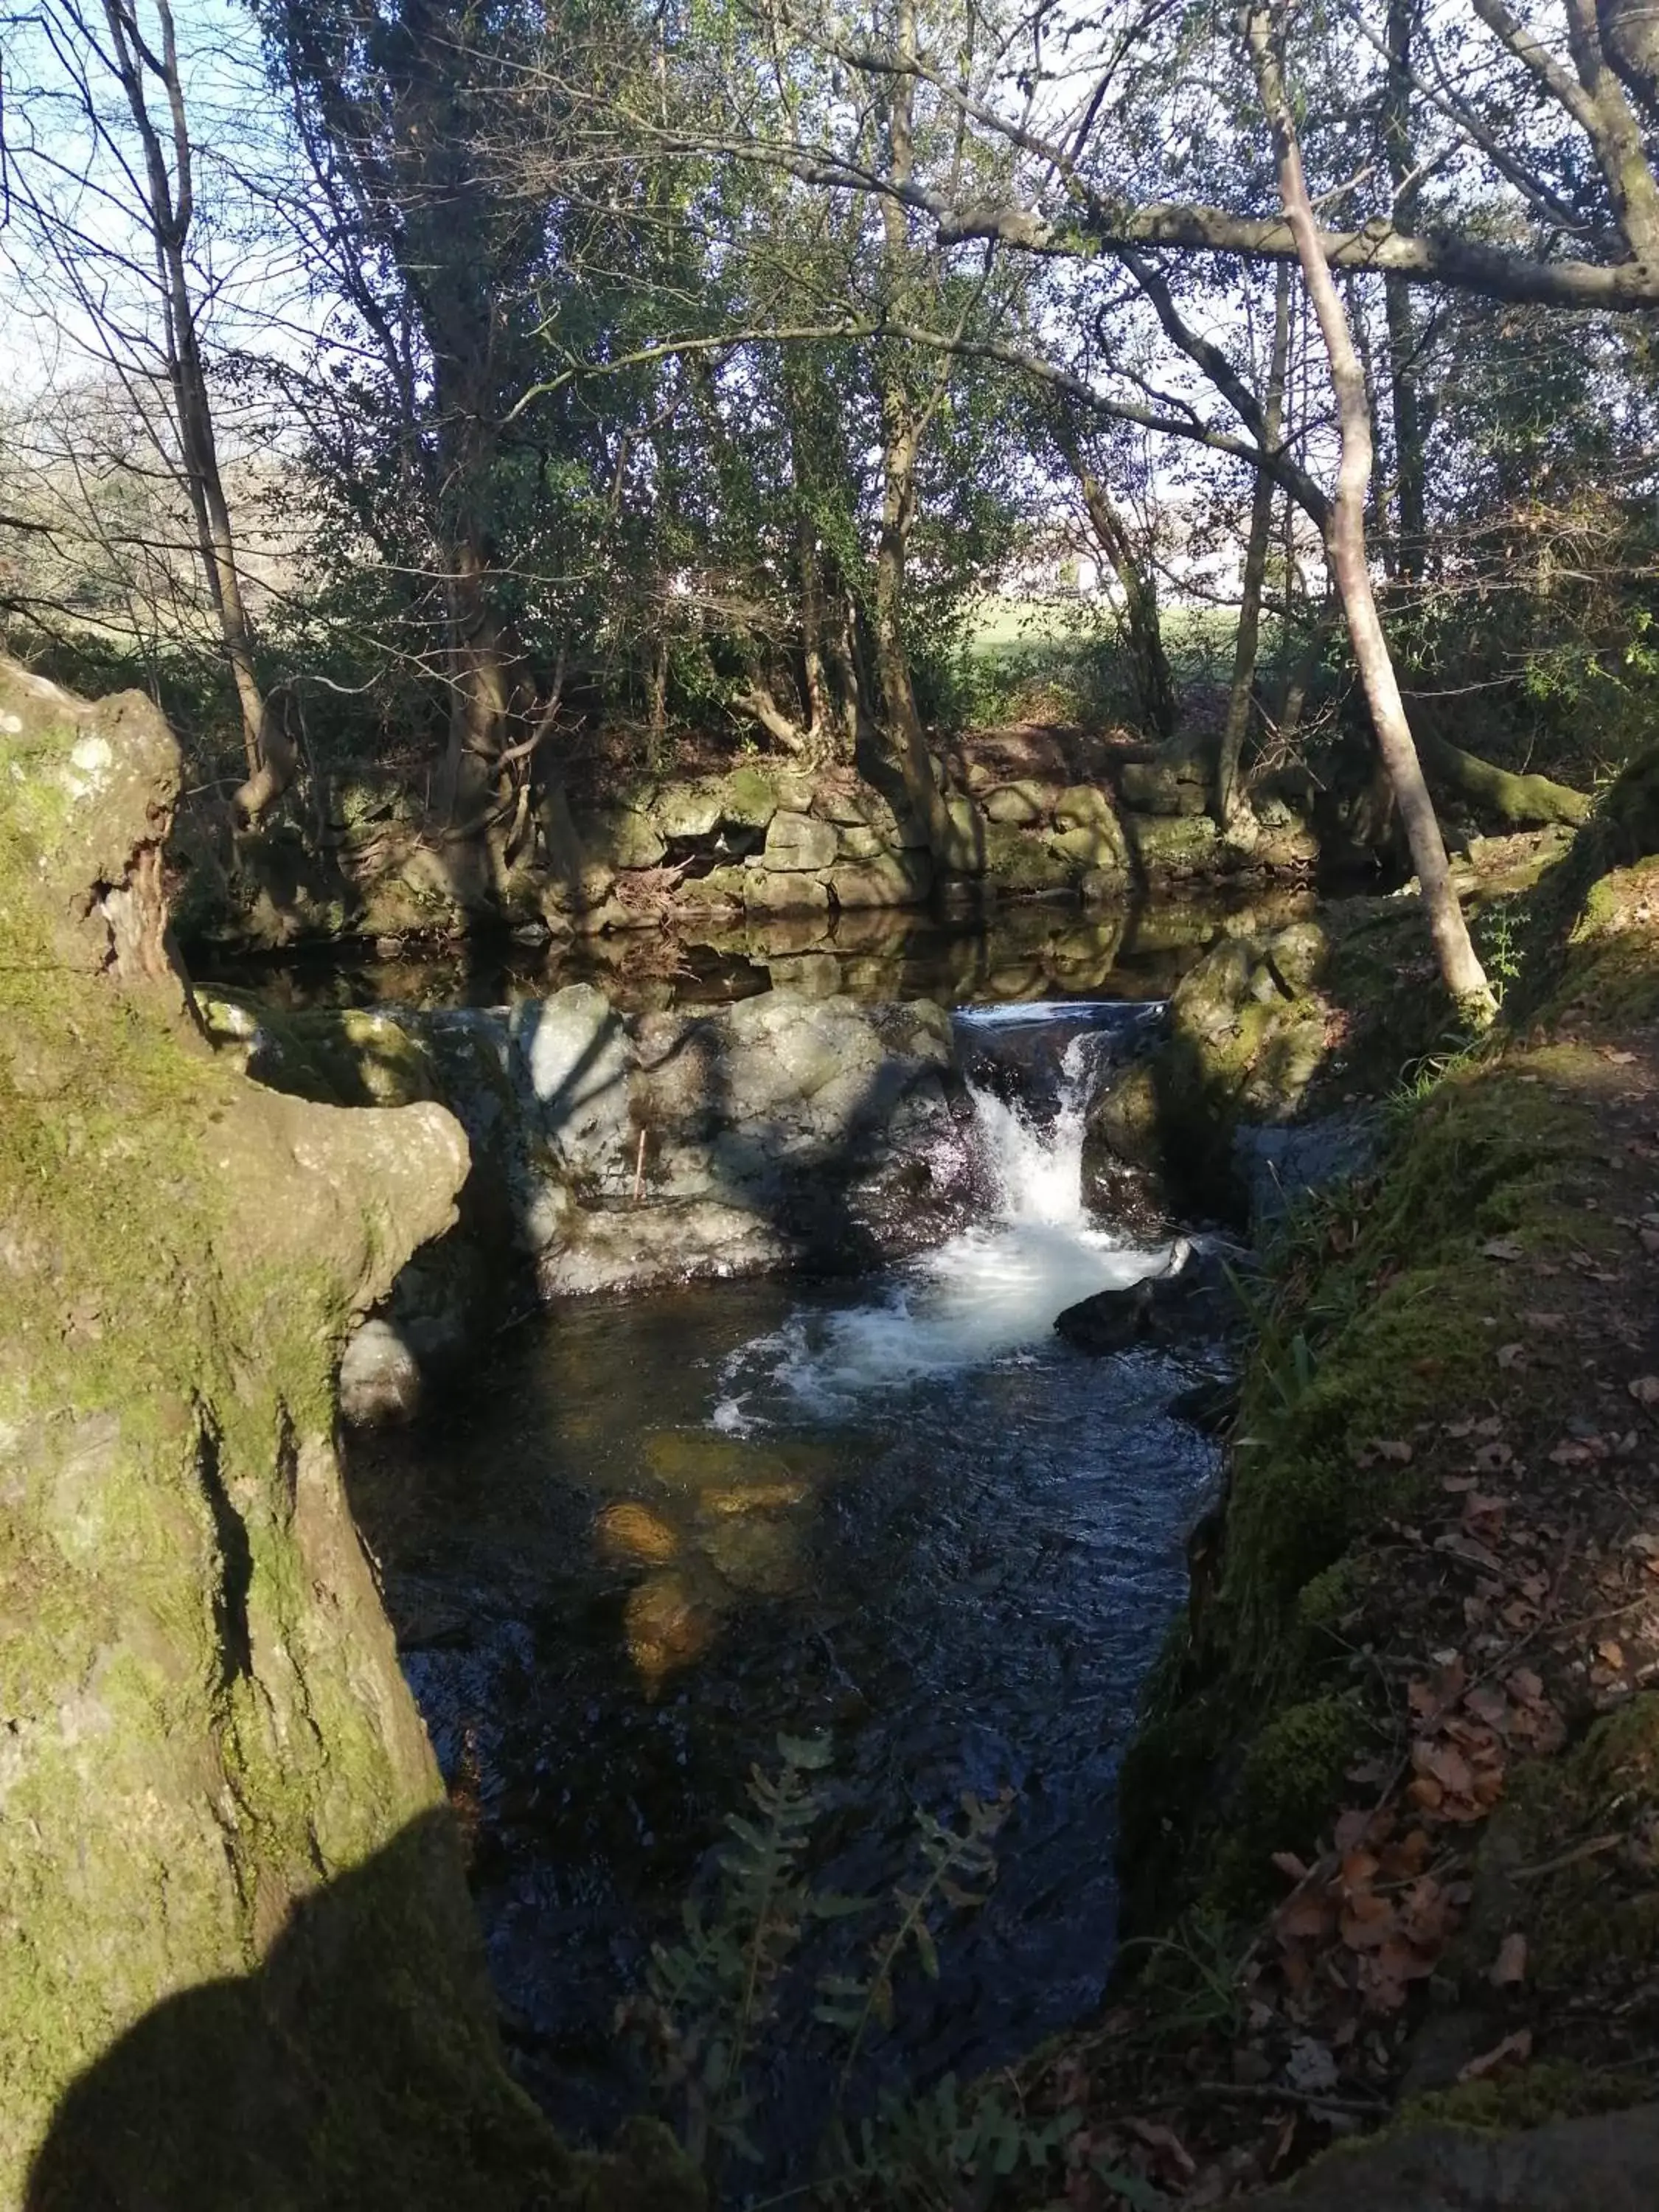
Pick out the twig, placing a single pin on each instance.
(639, 1171)
(1591, 1849)
(1268, 2093)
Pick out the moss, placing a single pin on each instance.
(1526, 2098)
(1386, 1336)
(234, 1916)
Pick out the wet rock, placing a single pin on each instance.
(667, 1623)
(380, 1378)
(1210, 1406)
(1282, 1166)
(1193, 1298)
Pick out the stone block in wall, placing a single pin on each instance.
(622, 837)
(690, 810)
(797, 844)
(1173, 846)
(1020, 804)
(720, 890)
(1103, 886)
(1094, 846)
(749, 798)
(785, 892)
(1018, 860)
(854, 842)
(968, 851)
(1173, 786)
(888, 879)
(1084, 806)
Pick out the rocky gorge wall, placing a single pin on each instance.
(238, 1964)
(613, 1151)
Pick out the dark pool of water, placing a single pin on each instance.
(1031, 950)
(960, 1574)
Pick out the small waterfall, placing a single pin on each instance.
(1034, 1165)
(1032, 1073)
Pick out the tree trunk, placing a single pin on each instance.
(1515, 802)
(1154, 685)
(1411, 508)
(1231, 749)
(901, 442)
(169, 209)
(1460, 967)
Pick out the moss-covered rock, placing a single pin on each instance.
(237, 1965)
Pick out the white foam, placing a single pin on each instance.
(984, 1295)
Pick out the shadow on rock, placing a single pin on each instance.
(350, 2069)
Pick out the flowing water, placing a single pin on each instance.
(661, 1529)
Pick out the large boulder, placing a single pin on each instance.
(237, 1961)
(1246, 1037)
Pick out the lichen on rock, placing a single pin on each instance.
(237, 1964)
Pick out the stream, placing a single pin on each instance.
(658, 1531)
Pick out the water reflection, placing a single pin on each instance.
(1029, 950)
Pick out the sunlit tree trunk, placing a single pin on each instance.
(1344, 540)
(1231, 749)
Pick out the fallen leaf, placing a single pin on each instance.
(1503, 1247)
(1394, 1449)
(1611, 1652)
(1509, 1354)
(1166, 2144)
(1645, 1390)
(1510, 1964)
(1526, 1688)
(1517, 2047)
(1367, 1921)
(1288, 1864)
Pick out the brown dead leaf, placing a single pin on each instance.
(1611, 1652)
(1645, 1390)
(1516, 2048)
(1289, 1864)
(1169, 2153)
(1503, 1247)
(1367, 1921)
(1526, 1688)
(1511, 1355)
(1510, 1967)
(1308, 1917)
(1488, 1703)
(1444, 1764)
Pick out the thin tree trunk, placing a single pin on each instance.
(1155, 692)
(170, 210)
(901, 442)
(1464, 977)
(1410, 484)
(1231, 749)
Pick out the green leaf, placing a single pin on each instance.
(927, 1951)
